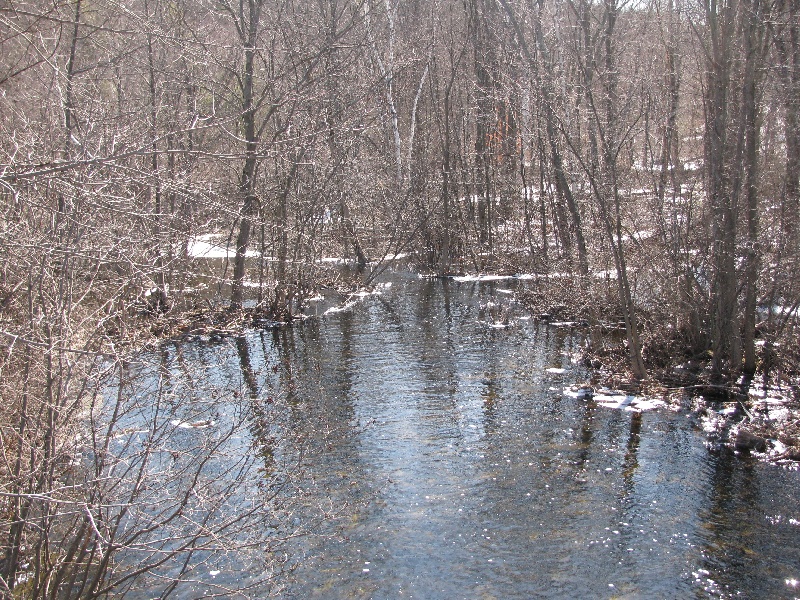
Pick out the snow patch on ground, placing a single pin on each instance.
(772, 404)
(340, 308)
(210, 246)
(612, 274)
(398, 256)
(497, 324)
(786, 310)
(335, 260)
(466, 278)
(193, 425)
(692, 165)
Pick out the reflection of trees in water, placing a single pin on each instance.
(248, 375)
(285, 353)
(491, 394)
(262, 429)
(630, 462)
(587, 434)
(732, 552)
(314, 372)
(436, 350)
(167, 461)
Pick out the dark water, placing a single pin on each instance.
(453, 465)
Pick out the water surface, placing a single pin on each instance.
(451, 464)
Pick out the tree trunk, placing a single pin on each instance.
(753, 32)
(723, 197)
(788, 46)
(563, 189)
(247, 182)
(669, 136)
(154, 163)
(610, 140)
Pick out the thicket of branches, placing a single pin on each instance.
(655, 144)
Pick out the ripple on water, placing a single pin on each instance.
(471, 473)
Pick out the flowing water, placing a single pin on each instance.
(452, 463)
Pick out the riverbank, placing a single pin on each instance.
(757, 415)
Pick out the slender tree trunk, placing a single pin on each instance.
(283, 290)
(445, 256)
(610, 142)
(543, 193)
(154, 162)
(788, 46)
(563, 189)
(723, 197)
(483, 64)
(247, 182)
(669, 134)
(753, 31)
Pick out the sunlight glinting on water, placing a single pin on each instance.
(455, 460)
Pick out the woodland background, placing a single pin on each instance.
(649, 150)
